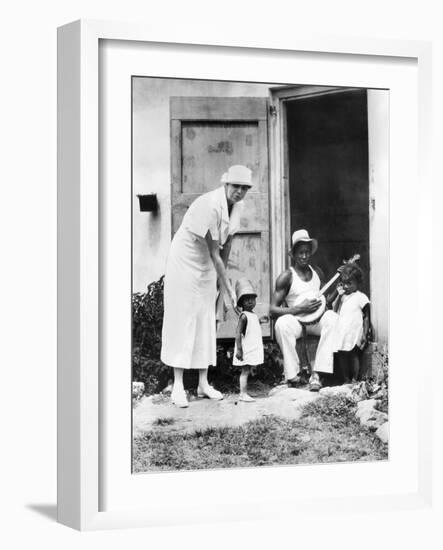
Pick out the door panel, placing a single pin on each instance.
(218, 108)
(207, 136)
(207, 148)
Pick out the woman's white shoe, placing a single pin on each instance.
(246, 398)
(209, 392)
(179, 398)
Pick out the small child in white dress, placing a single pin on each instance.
(352, 331)
(248, 350)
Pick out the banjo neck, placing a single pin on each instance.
(311, 318)
(352, 260)
(329, 283)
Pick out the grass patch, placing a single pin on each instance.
(327, 432)
(337, 411)
(165, 421)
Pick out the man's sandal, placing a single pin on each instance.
(314, 382)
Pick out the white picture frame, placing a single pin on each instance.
(80, 390)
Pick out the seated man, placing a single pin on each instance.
(299, 278)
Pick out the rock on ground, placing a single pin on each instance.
(345, 389)
(373, 419)
(138, 389)
(364, 406)
(369, 416)
(383, 432)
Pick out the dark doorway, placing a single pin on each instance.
(328, 175)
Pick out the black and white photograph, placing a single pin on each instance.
(221, 293)
(260, 261)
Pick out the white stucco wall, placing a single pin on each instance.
(151, 163)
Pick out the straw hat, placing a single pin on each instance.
(238, 174)
(243, 287)
(302, 236)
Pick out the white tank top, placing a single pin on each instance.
(298, 286)
(252, 342)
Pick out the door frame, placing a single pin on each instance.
(378, 139)
(378, 182)
(279, 164)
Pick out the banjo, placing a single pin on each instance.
(314, 316)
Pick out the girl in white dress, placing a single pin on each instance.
(352, 330)
(248, 351)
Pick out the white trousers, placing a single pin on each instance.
(288, 329)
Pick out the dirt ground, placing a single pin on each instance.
(158, 411)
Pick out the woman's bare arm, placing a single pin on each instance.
(226, 251)
(214, 252)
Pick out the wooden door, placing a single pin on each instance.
(208, 135)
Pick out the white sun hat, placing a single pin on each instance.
(238, 174)
(244, 287)
(302, 236)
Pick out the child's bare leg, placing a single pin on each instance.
(354, 360)
(343, 366)
(244, 396)
(244, 379)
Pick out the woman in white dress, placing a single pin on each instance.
(198, 256)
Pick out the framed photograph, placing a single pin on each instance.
(234, 220)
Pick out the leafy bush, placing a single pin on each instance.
(382, 380)
(147, 320)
